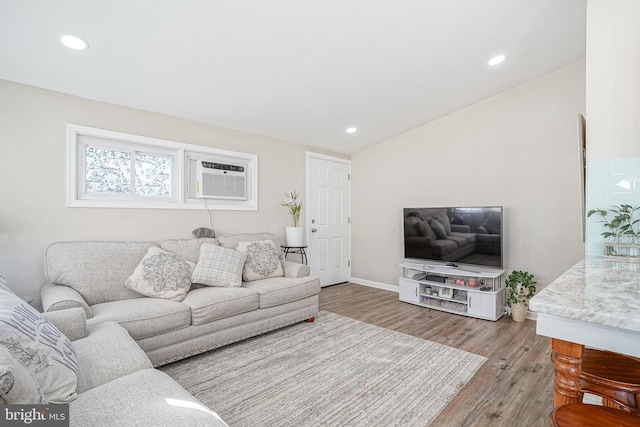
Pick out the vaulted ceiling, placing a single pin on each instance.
(295, 70)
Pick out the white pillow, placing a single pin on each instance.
(263, 260)
(17, 384)
(219, 266)
(41, 348)
(161, 274)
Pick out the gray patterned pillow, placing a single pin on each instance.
(41, 348)
(17, 384)
(161, 274)
(3, 284)
(262, 262)
(218, 266)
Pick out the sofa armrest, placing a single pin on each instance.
(293, 269)
(71, 322)
(59, 297)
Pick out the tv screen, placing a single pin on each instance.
(466, 235)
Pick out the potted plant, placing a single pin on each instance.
(521, 288)
(622, 231)
(295, 233)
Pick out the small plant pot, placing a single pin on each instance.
(295, 236)
(519, 312)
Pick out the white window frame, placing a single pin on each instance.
(77, 197)
(132, 149)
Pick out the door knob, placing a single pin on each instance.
(313, 230)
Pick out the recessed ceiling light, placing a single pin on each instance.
(351, 130)
(73, 42)
(496, 60)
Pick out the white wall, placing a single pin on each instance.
(613, 79)
(518, 149)
(613, 110)
(33, 176)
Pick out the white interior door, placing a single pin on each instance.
(328, 218)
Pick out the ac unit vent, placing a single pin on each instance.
(221, 181)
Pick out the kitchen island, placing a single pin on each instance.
(596, 303)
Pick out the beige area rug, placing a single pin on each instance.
(333, 372)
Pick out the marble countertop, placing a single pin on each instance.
(599, 290)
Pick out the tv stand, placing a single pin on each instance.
(454, 289)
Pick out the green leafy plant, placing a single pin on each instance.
(294, 206)
(521, 287)
(624, 222)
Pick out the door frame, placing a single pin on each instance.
(312, 155)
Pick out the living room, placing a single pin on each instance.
(517, 149)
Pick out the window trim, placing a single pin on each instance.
(142, 143)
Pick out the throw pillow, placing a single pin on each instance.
(17, 384)
(425, 230)
(263, 260)
(438, 228)
(442, 218)
(40, 346)
(219, 266)
(3, 284)
(161, 274)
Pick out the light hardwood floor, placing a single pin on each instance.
(514, 388)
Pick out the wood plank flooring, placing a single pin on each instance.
(514, 388)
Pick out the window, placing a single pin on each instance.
(126, 174)
(113, 169)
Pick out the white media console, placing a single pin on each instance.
(460, 290)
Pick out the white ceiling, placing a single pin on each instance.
(295, 70)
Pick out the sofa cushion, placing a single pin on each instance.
(232, 240)
(263, 260)
(443, 247)
(40, 346)
(97, 270)
(218, 266)
(461, 241)
(108, 352)
(17, 384)
(188, 249)
(281, 290)
(143, 317)
(209, 304)
(143, 398)
(463, 238)
(161, 274)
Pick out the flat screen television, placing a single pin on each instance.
(451, 235)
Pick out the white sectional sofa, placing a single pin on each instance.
(98, 370)
(92, 276)
(97, 343)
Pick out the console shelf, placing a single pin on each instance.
(458, 290)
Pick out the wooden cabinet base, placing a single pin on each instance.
(567, 358)
(578, 414)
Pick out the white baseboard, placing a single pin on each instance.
(377, 285)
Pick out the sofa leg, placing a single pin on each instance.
(311, 319)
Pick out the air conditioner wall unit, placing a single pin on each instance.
(223, 181)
